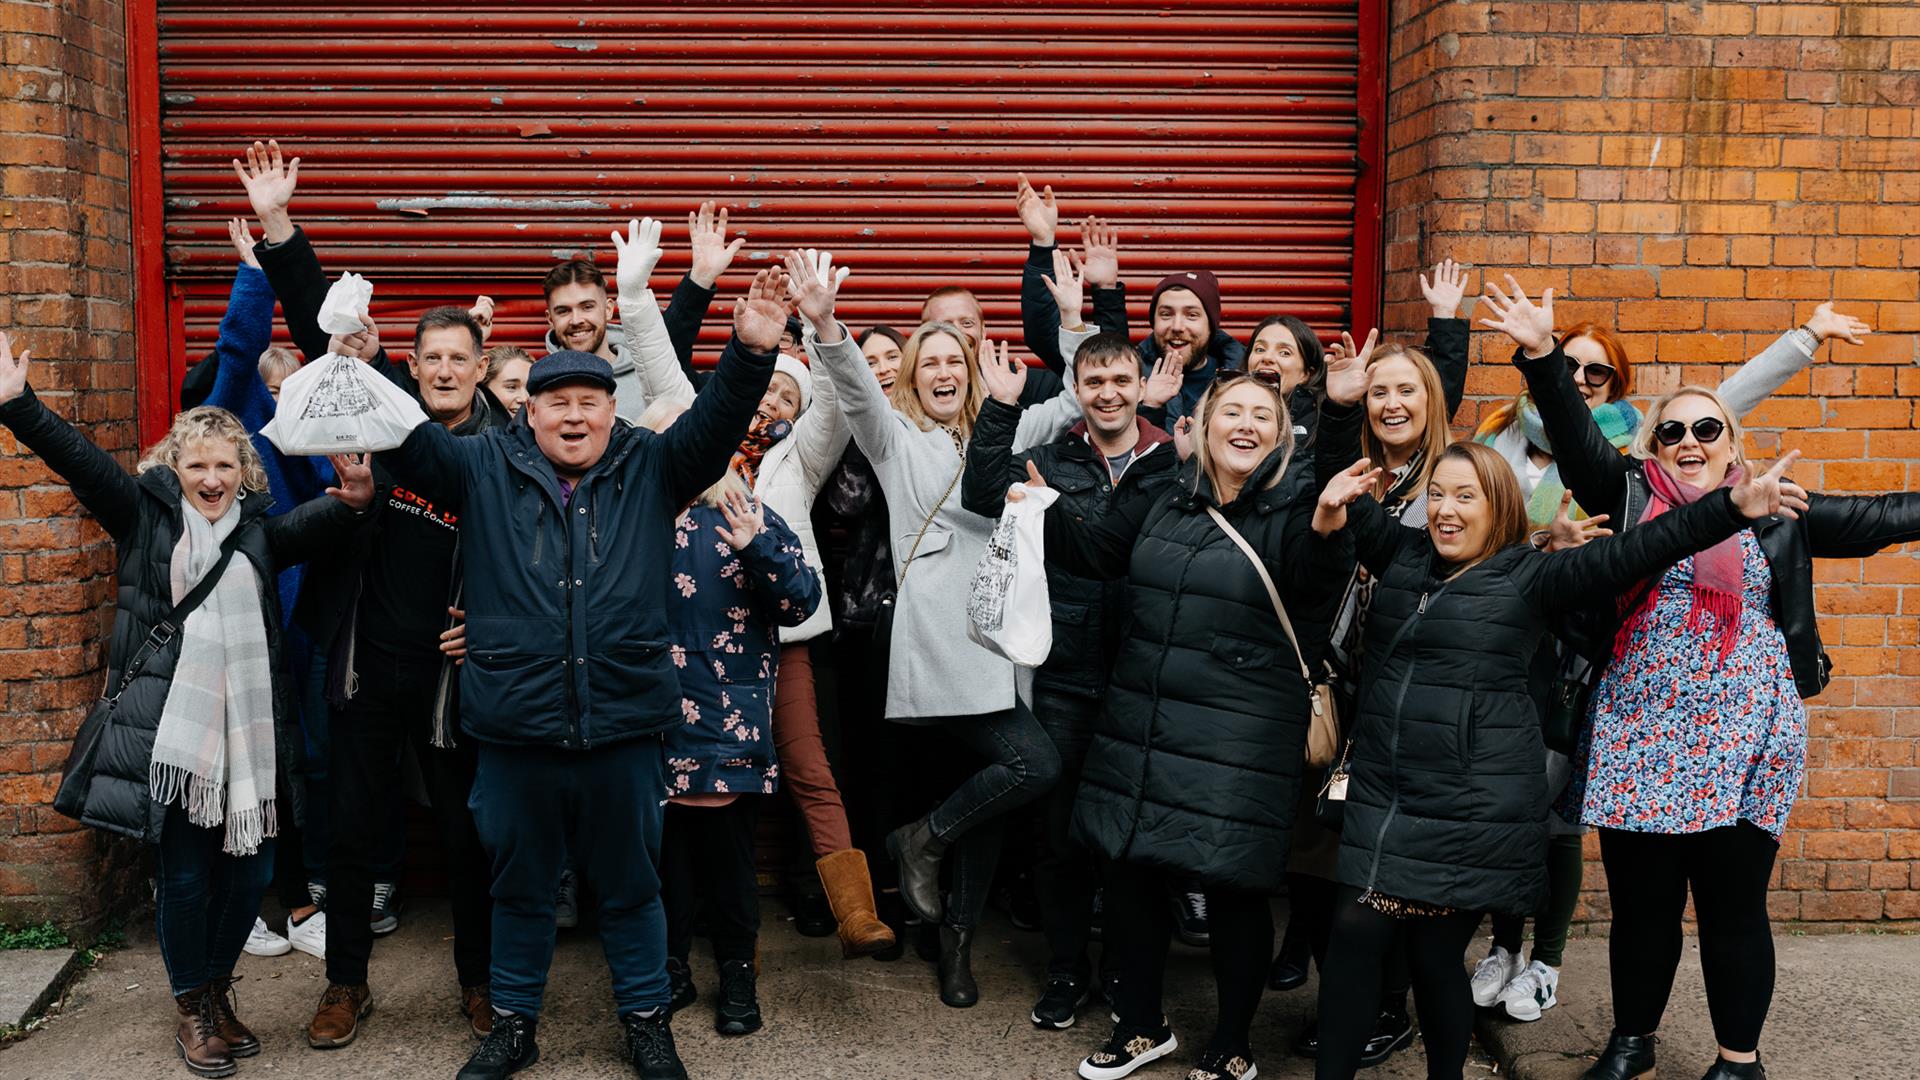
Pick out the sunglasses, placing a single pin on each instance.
(1705, 430)
(1264, 378)
(1594, 375)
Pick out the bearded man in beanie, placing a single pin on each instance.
(568, 685)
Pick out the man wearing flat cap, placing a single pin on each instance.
(567, 529)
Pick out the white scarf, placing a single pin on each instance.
(213, 753)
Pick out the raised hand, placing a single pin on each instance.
(1347, 368)
(1016, 493)
(712, 254)
(353, 480)
(242, 240)
(1447, 289)
(816, 287)
(1764, 494)
(270, 181)
(1330, 513)
(760, 317)
(1827, 323)
(1003, 378)
(1067, 288)
(1100, 253)
(482, 312)
(1566, 533)
(13, 371)
(1530, 326)
(362, 345)
(745, 519)
(1168, 376)
(1183, 437)
(1037, 212)
(639, 252)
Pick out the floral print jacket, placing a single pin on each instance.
(724, 612)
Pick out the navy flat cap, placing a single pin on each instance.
(569, 365)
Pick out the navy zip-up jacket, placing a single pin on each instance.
(566, 596)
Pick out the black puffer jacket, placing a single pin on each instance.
(1833, 527)
(1089, 614)
(143, 515)
(1195, 761)
(1447, 802)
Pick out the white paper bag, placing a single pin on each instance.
(340, 405)
(346, 301)
(1007, 608)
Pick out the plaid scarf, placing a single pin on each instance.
(213, 752)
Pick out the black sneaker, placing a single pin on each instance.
(681, 991)
(1307, 1043)
(1190, 917)
(1392, 1032)
(739, 1010)
(507, 1049)
(386, 908)
(1056, 1008)
(1219, 1065)
(1126, 1050)
(650, 1046)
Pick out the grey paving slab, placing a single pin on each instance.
(30, 979)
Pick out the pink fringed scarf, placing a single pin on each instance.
(1718, 572)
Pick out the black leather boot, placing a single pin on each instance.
(1627, 1057)
(957, 988)
(1736, 1070)
(917, 853)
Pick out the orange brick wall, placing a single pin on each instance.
(1700, 176)
(65, 292)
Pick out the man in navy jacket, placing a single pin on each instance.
(568, 682)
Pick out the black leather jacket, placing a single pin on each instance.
(1833, 527)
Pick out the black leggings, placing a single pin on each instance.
(706, 865)
(1350, 985)
(1648, 875)
(1312, 902)
(1139, 930)
(1566, 865)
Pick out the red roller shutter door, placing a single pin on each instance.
(455, 149)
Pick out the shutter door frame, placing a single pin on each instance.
(162, 300)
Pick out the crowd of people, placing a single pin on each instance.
(1304, 643)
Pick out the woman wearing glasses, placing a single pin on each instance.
(1696, 734)
(1602, 371)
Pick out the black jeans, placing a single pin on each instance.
(706, 864)
(1021, 766)
(1350, 985)
(205, 900)
(392, 709)
(1063, 876)
(1139, 930)
(1648, 875)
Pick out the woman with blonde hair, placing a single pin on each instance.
(1695, 741)
(197, 748)
(916, 440)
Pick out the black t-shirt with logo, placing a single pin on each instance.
(409, 579)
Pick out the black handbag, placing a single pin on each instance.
(70, 799)
(1566, 711)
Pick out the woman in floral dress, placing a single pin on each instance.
(739, 574)
(1696, 740)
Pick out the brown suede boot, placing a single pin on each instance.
(198, 1036)
(476, 1004)
(337, 1020)
(240, 1041)
(850, 895)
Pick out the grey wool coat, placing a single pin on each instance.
(934, 669)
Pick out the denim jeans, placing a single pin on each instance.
(1021, 765)
(535, 806)
(205, 900)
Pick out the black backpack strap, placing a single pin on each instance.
(168, 628)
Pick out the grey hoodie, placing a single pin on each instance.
(628, 400)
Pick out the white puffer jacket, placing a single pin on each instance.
(793, 469)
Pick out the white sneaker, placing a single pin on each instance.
(309, 937)
(1492, 976)
(264, 942)
(1531, 992)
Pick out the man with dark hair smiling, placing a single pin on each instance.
(568, 686)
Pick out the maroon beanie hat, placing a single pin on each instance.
(1202, 284)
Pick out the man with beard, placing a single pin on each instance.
(1109, 456)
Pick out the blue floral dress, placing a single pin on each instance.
(1681, 740)
(724, 612)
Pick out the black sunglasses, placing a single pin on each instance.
(1706, 430)
(1594, 375)
(1265, 378)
